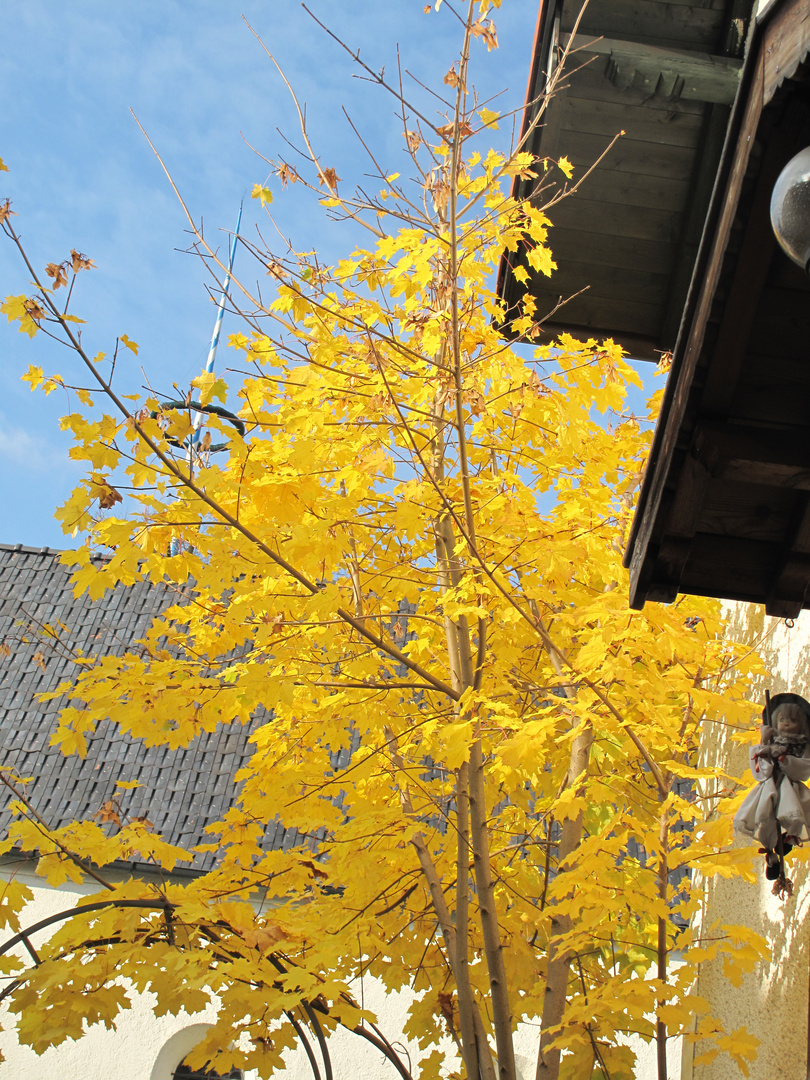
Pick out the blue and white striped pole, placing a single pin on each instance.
(212, 351)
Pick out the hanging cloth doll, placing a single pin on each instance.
(776, 812)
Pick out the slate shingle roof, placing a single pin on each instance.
(182, 790)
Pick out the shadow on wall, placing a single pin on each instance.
(772, 1001)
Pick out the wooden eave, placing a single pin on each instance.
(666, 74)
(724, 508)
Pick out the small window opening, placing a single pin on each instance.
(185, 1072)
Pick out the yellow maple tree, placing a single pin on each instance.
(411, 545)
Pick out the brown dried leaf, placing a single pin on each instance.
(33, 310)
(486, 31)
(464, 130)
(477, 402)
(263, 938)
(446, 1009)
(5, 651)
(39, 660)
(108, 812)
(330, 178)
(287, 174)
(275, 622)
(108, 496)
(205, 441)
(441, 196)
(451, 78)
(6, 211)
(414, 140)
(80, 261)
(57, 272)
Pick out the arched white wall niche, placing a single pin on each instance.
(175, 1049)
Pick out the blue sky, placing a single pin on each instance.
(82, 175)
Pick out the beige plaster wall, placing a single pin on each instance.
(143, 1046)
(772, 1002)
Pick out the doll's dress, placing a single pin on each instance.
(784, 799)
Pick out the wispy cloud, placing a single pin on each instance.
(33, 452)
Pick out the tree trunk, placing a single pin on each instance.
(663, 876)
(559, 961)
(502, 1019)
(466, 1006)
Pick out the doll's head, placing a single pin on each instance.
(790, 719)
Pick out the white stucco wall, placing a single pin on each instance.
(772, 1002)
(129, 1052)
(143, 1046)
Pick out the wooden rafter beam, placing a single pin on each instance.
(672, 73)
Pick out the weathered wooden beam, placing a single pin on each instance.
(768, 457)
(629, 155)
(659, 127)
(711, 148)
(753, 261)
(677, 25)
(670, 73)
(710, 262)
(693, 484)
(786, 44)
(733, 567)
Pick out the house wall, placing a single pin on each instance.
(143, 1046)
(771, 1002)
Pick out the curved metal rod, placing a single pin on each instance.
(314, 1024)
(81, 910)
(377, 1040)
(319, 1035)
(23, 935)
(214, 410)
(316, 1072)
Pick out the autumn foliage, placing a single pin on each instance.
(415, 545)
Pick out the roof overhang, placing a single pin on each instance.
(724, 508)
(625, 242)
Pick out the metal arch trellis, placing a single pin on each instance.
(371, 1034)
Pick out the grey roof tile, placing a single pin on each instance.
(182, 790)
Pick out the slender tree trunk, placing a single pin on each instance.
(474, 1043)
(558, 964)
(559, 961)
(482, 1060)
(502, 1019)
(465, 1012)
(663, 877)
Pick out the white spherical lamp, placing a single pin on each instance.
(790, 209)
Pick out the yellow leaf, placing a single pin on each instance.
(565, 165)
(17, 308)
(264, 194)
(131, 345)
(210, 386)
(33, 376)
